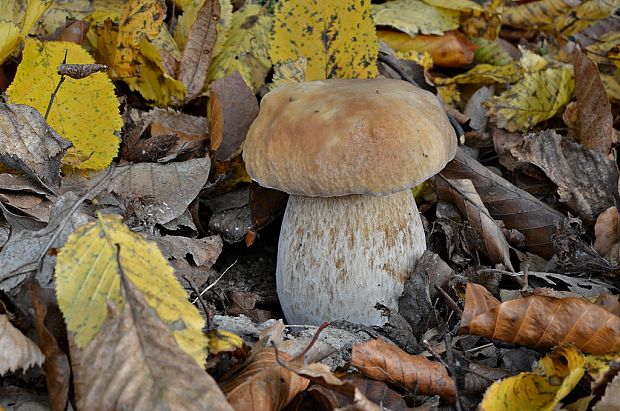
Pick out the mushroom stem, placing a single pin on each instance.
(339, 256)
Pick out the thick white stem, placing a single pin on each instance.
(339, 256)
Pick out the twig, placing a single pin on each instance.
(200, 300)
(53, 96)
(451, 362)
(449, 301)
(314, 338)
(214, 283)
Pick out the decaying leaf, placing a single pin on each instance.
(16, 350)
(540, 321)
(586, 179)
(84, 111)
(57, 368)
(452, 49)
(199, 49)
(204, 251)
(606, 231)
(518, 209)
(245, 48)
(263, 384)
(30, 145)
(337, 39)
(464, 195)
(232, 109)
(383, 361)
(134, 361)
(593, 107)
(376, 391)
(535, 98)
(87, 277)
(415, 16)
(554, 377)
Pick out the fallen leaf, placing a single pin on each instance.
(593, 107)
(383, 361)
(87, 278)
(338, 39)
(490, 52)
(134, 361)
(452, 49)
(30, 145)
(376, 391)
(232, 109)
(245, 49)
(540, 321)
(415, 16)
(16, 350)
(535, 98)
(611, 399)
(243, 303)
(516, 208)
(84, 111)
(204, 251)
(57, 368)
(554, 378)
(463, 194)
(586, 179)
(199, 49)
(606, 231)
(16, 24)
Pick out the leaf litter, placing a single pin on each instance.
(522, 229)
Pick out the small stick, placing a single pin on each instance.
(451, 362)
(215, 282)
(53, 96)
(449, 301)
(202, 303)
(457, 403)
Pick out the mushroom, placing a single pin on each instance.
(348, 151)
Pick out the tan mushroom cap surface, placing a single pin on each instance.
(348, 136)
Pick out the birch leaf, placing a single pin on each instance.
(337, 39)
(84, 111)
(537, 97)
(87, 277)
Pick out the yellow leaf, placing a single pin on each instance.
(158, 61)
(223, 341)
(87, 276)
(460, 5)
(536, 15)
(612, 85)
(337, 39)
(490, 52)
(557, 374)
(84, 111)
(484, 74)
(289, 72)
(598, 365)
(61, 10)
(584, 15)
(106, 9)
(450, 94)
(414, 16)
(187, 19)
(245, 48)
(535, 98)
(530, 61)
(15, 23)
(141, 19)
(423, 58)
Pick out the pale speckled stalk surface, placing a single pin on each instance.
(338, 256)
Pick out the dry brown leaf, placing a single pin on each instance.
(266, 204)
(30, 145)
(586, 179)
(134, 362)
(518, 209)
(611, 399)
(57, 368)
(199, 49)
(244, 303)
(264, 385)
(606, 231)
(204, 251)
(593, 107)
(232, 109)
(376, 391)
(540, 321)
(463, 193)
(16, 350)
(383, 361)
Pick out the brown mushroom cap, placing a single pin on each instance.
(338, 137)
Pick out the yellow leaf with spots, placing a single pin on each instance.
(423, 58)
(490, 52)
(187, 19)
(337, 39)
(223, 341)
(62, 10)
(88, 276)
(450, 94)
(484, 74)
(84, 111)
(556, 376)
(414, 16)
(468, 6)
(141, 19)
(245, 48)
(15, 23)
(612, 85)
(535, 98)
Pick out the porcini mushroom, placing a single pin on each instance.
(348, 152)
